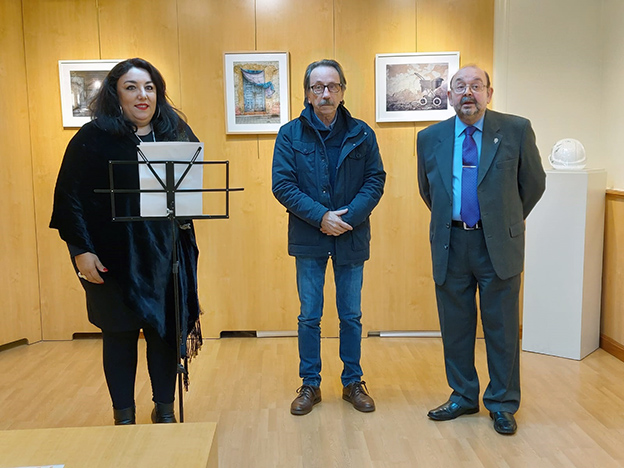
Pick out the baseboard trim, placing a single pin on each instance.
(612, 347)
(406, 334)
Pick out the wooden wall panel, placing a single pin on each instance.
(612, 316)
(246, 277)
(454, 25)
(19, 285)
(279, 27)
(136, 28)
(247, 280)
(398, 292)
(277, 24)
(229, 264)
(55, 31)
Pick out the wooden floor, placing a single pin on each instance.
(572, 414)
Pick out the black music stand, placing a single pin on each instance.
(170, 186)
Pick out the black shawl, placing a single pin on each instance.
(138, 254)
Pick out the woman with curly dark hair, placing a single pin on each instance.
(125, 267)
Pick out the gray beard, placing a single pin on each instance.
(472, 111)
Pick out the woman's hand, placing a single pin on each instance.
(89, 267)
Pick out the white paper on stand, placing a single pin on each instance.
(186, 204)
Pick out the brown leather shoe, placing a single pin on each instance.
(305, 401)
(356, 393)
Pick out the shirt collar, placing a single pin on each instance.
(319, 124)
(461, 126)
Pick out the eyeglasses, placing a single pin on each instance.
(319, 89)
(461, 88)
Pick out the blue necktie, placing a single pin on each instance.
(469, 203)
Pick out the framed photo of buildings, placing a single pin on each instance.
(80, 81)
(256, 92)
(412, 87)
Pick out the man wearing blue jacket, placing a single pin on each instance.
(327, 172)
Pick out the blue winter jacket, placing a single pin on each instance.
(301, 184)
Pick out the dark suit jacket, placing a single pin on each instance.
(511, 181)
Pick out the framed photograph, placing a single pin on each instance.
(256, 92)
(413, 87)
(80, 81)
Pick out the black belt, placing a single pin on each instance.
(465, 227)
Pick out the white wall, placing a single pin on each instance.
(612, 26)
(558, 62)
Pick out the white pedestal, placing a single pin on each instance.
(563, 269)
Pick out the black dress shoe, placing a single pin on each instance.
(305, 401)
(356, 393)
(504, 422)
(163, 413)
(450, 410)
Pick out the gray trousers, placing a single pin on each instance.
(470, 269)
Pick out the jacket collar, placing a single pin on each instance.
(443, 151)
(353, 126)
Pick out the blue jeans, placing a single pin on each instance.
(310, 284)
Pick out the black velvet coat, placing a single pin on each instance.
(138, 287)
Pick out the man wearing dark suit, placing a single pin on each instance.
(480, 174)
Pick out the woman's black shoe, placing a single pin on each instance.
(124, 416)
(163, 413)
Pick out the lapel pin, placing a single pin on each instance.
(495, 140)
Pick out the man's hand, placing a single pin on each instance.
(89, 267)
(332, 223)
